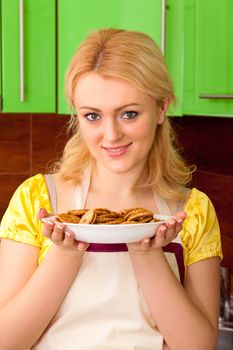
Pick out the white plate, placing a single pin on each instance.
(123, 233)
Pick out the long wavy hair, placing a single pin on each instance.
(136, 58)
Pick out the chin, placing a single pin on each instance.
(120, 168)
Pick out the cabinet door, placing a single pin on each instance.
(77, 18)
(208, 57)
(28, 65)
(174, 50)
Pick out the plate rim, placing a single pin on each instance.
(51, 217)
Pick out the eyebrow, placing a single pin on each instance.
(116, 110)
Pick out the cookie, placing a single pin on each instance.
(108, 217)
(100, 211)
(138, 214)
(78, 212)
(68, 218)
(89, 217)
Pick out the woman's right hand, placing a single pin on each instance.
(60, 235)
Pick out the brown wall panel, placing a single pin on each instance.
(15, 143)
(49, 135)
(15, 128)
(220, 189)
(8, 184)
(207, 142)
(28, 143)
(14, 157)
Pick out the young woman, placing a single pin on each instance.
(159, 293)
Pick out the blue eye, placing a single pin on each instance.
(129, 115)
(92, 117)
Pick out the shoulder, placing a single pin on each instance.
(200, 233)
(32, 183)
(198, 201)
(32, 190)
(20, 219)
(200, 211)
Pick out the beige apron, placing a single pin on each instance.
(104, 309)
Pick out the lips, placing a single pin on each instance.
(116, 151)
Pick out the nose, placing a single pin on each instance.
(112, 130)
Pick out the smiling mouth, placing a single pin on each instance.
(117, 150)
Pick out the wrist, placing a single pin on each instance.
(65, 253)
(145, 253)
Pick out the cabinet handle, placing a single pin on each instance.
(217, 96)
(163, 26)
(21, 48)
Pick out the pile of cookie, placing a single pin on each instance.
(106, 216)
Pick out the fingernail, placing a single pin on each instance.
(51, 223)
(171, 222)
(68, 234)
(146, 240)
(81, 246)
(179, 221)
(60, 226)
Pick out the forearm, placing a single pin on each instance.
(24, 317)
(182, 324)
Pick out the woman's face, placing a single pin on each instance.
(117, 121)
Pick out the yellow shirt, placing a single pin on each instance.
(200, 235)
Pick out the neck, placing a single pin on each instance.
(105, 181)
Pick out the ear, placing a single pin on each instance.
(163, 109)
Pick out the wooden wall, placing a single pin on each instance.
(29, 142)
(27, 145)
(207, 142)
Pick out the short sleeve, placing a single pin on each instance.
(200, 234)
(20, 221)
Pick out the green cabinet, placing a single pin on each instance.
(208, 57)
(174, 50)
(197, 43)
(77, 18)
(28, 56)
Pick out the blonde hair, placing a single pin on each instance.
(136, 58)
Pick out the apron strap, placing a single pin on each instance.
(181, 204)
(51, 186)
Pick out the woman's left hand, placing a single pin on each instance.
(166, 233)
